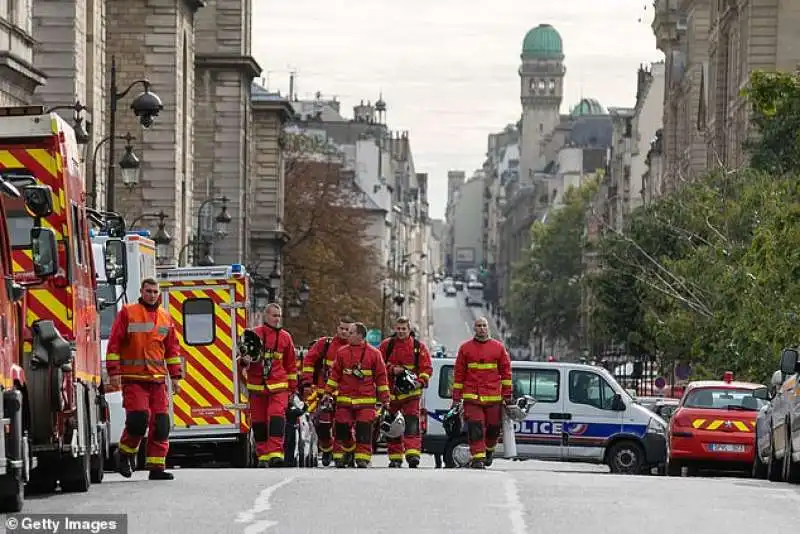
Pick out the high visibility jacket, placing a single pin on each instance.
(142, 345)
(352, 361)
(411, 354)
(482, 373)
(318, 361)
(280, 352)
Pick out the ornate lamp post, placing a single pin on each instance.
(274, 280)
(162, 240)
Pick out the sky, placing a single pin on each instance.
(448, 68)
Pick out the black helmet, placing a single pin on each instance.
(406, 382)
(452, 422)
(251, 345)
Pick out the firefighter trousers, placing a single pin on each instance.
(324, 429)
(146, 410)
(268, 413)
(350, 420)
(483, 427)
(410, 442)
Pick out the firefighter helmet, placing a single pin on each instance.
(452, 421)
(406, 382)
(393, 425)
(251, 346)
(519, 410)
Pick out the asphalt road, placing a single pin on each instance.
(452, 321)
(509, 498)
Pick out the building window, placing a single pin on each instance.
(198, 322)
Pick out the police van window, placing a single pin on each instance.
(446, 382)
(198, 322)
(591, 389)
(541, 384)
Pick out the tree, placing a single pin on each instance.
(329, 247)
(546, 284)
(774, 99)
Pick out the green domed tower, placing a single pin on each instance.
(541, 91)
(544, 42)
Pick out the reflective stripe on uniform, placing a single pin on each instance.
(506, 383)
(349, 400)
(112, 357)
(155, 460)
(270, 387)
(175, 360)
(135, 328)
(482, 366)
(483, 398)
(402, 396)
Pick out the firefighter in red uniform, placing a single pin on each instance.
(359, 374)
(403, 352)
(142, 350)
(316, 368)
(482, 380)
(270, 380)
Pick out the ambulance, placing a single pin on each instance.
(121, 263)
(210, 418)
(581, 414)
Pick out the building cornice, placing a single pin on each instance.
(247, 65)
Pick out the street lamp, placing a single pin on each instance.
(223, 220)
(304, 292)
(81, 135)
(162, 239)
(130, 167)
(399, 299)
(262, 297)
(146, 106)
(221, 230)
(130, 162)
(275, 278)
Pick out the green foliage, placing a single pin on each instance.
(546, 284)
(708, 275)
(774, 99)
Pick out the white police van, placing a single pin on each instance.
(581, 414)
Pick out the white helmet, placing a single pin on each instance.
(519, 410)
(393, 425)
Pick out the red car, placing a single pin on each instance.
(714, 427)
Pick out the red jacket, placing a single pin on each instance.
(355, 391)
(411, 354)
(279, 349)
(482, 373)
(316, 365)
(142, 345)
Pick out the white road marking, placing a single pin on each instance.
(516, 512)
(260, 506)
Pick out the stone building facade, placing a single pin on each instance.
(156, 40)
(223, 161)
(19, 77)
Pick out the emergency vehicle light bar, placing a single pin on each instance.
(21, 111)
(223, 271)
(141, 233)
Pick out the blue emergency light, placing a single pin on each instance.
(236, 268)
(142, 233)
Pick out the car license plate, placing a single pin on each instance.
(725, 447)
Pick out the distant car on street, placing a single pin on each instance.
(450, 290)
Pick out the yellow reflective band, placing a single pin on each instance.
(506, 383)
(155, 460)
(479, 456)
(415, 393)
(349, 400)
(325, 449)
(351, 448)
(175, 360)
(279, 385)
(328, 362)
(363, 456)
(383, 388)
(112, 357)
(308, 369)
(128, 450)
(425, 376)
(332, 383)
(483, 398)
(254, 387)
(291, 376)
(338, 456)
(270, 456)
(412, 452)
(482, 366)
(395, 457)
(458, 386)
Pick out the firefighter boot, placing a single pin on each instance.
(125, 464)
(160, 474)
(489, 458)
(327, 456)
(395, 464)
(362, 464)
(413, 462)
(349, 459)
(341, 464)
(275, 462)
(478, 464)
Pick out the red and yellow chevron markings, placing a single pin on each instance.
(208, 376)
(724, 424)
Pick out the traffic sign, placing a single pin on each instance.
(374, 337)
(660, 382)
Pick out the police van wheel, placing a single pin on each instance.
(626, 457)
